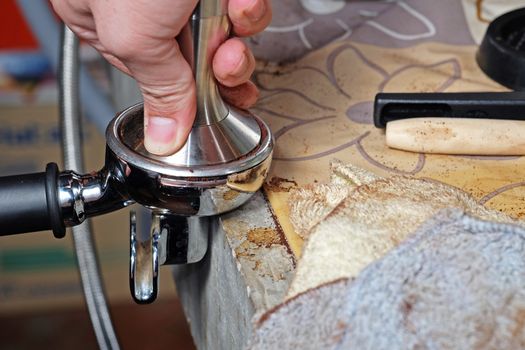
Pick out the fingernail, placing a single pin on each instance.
(160, 135)
(256, 11)
(241, 66)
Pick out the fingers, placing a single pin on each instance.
(168, 116)
(243, 96)
(249, 16)
(139, 38)
(168, 89)
(166, 82)
(233, 63)
(72, 11)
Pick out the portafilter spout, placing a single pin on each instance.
(223, 163)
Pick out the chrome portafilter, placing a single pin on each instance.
(223, 163)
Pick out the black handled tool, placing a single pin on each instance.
(480, 105)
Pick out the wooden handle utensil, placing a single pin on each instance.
(494, 137)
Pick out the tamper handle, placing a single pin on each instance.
(207, 28)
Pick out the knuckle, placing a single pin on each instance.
(124, 44)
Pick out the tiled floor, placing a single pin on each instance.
(160, 325)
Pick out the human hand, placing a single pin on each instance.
(138, 37)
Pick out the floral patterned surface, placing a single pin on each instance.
(295, 31)
(320, 107)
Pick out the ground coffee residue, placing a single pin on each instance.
(264, 236)
(230, 195)
(278, 184)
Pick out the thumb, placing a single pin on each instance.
(168, 88)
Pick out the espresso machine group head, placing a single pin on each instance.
(223, 163)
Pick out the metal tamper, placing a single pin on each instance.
(223, 163)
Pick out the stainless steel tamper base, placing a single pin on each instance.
(238, 150)
(221, 166)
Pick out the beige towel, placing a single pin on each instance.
(349, 226)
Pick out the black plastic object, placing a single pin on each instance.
(481, 105)
(501, 54)
(29, 203)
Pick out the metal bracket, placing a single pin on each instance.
(144, 264)
(173, 240)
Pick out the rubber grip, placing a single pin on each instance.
(29, 203)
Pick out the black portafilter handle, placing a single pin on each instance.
(30, 203)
